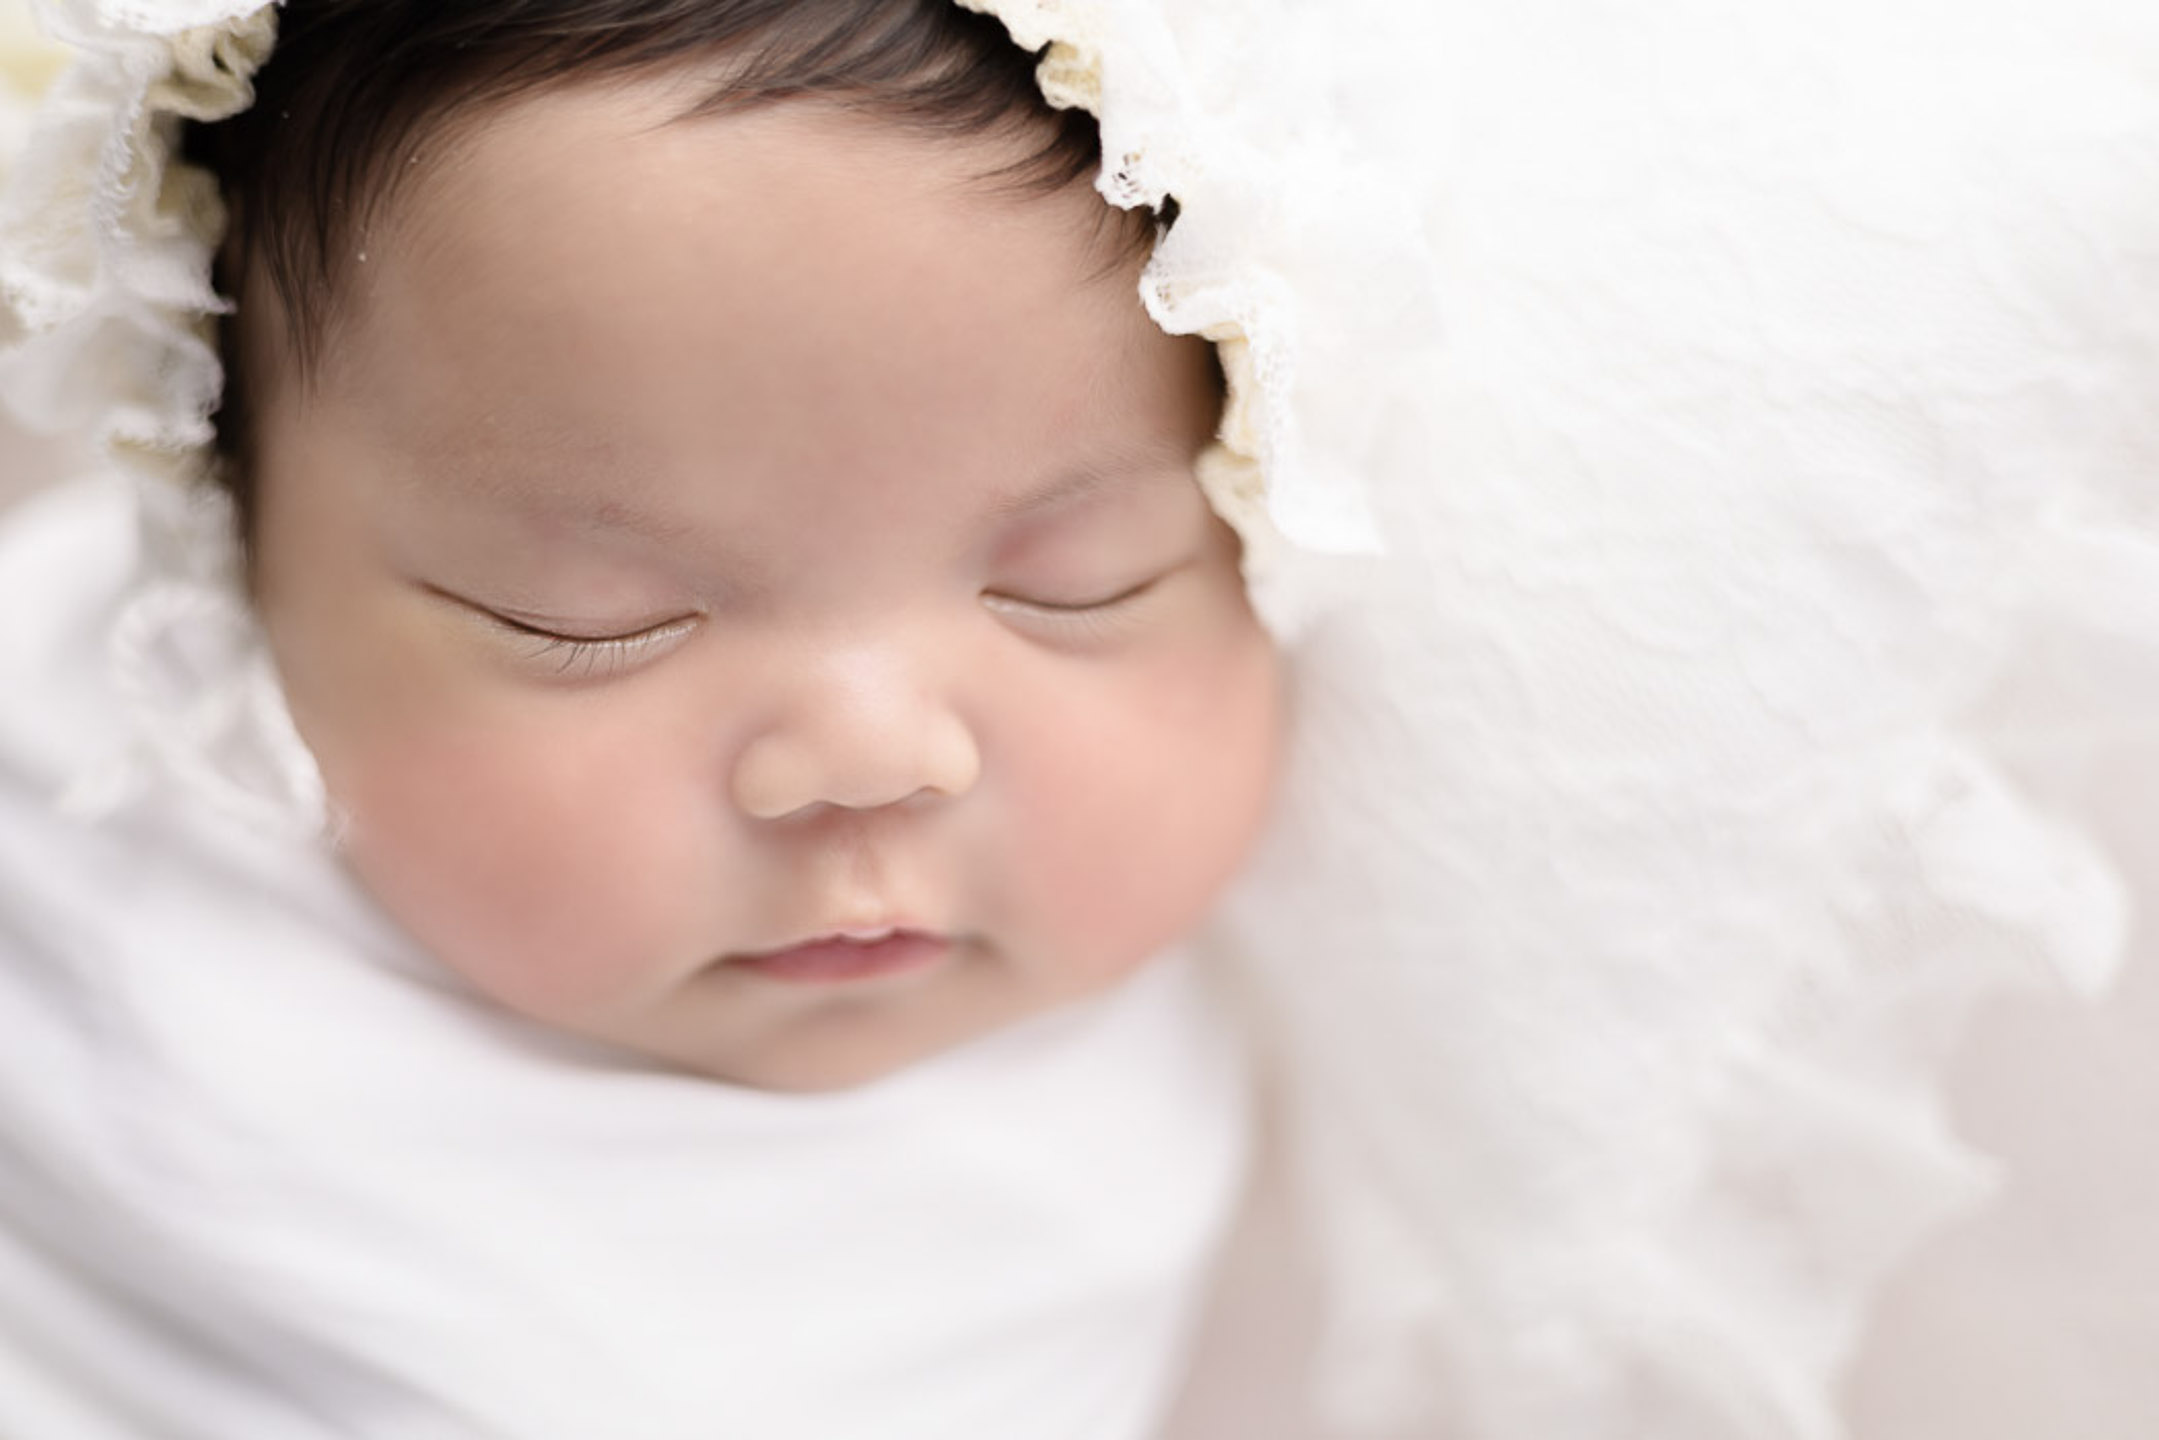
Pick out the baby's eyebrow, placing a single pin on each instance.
(1077, 482)
(610, 513)
(545, 491)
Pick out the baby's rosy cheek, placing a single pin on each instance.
(1103, 829)
(516, 873)
(1218, 756)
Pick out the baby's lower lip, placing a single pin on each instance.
(826, 962)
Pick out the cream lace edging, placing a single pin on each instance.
(107, 316)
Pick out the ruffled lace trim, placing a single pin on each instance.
(107, 317)
(1282, 470)
(106, 305)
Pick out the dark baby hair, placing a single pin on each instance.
(353, 85)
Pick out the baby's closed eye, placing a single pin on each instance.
(1098, 614)
(566, 649)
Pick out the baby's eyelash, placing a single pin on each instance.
(1090, 619)
(585, 657)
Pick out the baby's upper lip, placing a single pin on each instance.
(855, 934)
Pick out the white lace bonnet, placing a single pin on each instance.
(1657, 804)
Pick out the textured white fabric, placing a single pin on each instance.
(266, 1171)
(1649, 834)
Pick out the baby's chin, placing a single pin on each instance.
(832, 1042)
(826, 1067)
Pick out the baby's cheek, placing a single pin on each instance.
(1159, 796)
(1228, 720)
(531, 862)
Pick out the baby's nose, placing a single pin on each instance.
(862, 739)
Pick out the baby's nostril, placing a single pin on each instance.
(782, 775)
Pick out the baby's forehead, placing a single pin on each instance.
(715, 273)
(595, 200)
(571, 481)
(720, 347)
(336, 139)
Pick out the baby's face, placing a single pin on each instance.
(711, 540)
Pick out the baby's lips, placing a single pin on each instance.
(849, 954)
(857, 934)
